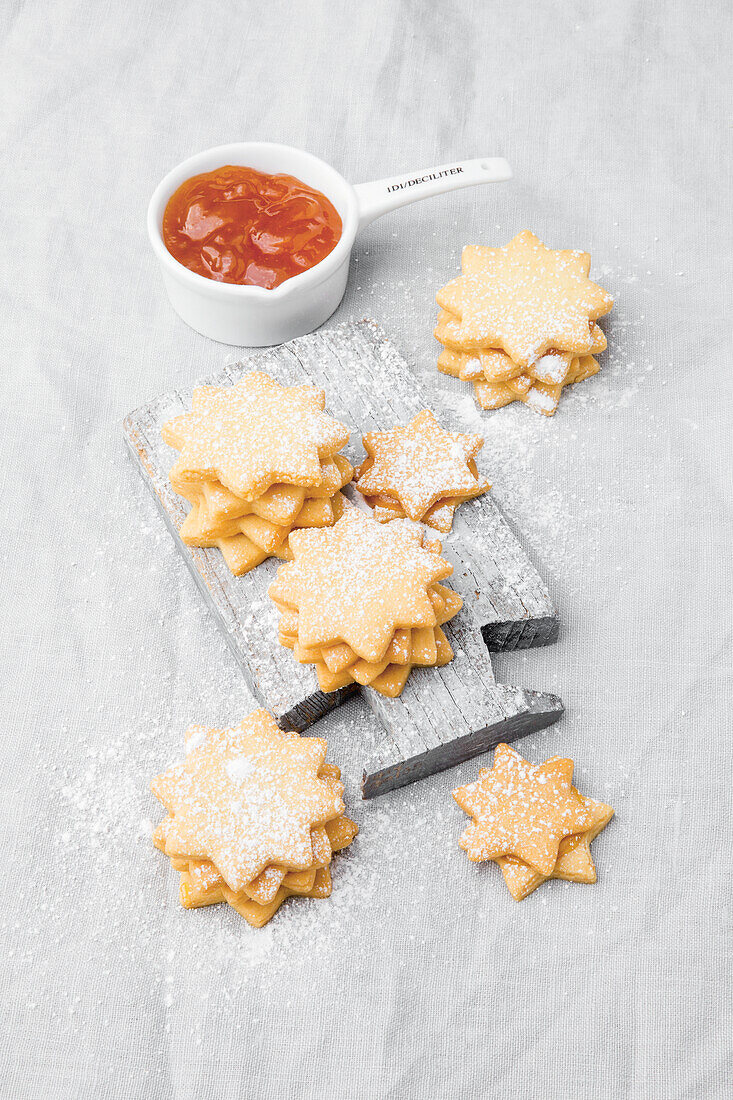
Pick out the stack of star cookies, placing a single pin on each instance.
(362, 602)
(257, 460)
(532, 821)
(254, 816)
(519, 323)
(420, 471)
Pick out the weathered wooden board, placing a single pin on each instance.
(444, 715)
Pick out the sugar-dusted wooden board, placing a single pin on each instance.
(444, 715)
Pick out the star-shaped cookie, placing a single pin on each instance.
(543, 397)
(419, 464)
(493, 365)
(525, 298)
(521, 809)
(574, 860)
(254, 435)
(358, 582)
(201, 883)
(246, 798)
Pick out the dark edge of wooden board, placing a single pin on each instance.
(503, 637)
(540, 709)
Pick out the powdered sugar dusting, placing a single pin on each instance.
(240, 767)
(538, 399)
(550, 368)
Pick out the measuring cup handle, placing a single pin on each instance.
(381, 196)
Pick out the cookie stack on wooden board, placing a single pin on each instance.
(257, 460)
(362, 602)
(519, 323)
(420, 471)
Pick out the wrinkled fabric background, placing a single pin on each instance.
(420, 978)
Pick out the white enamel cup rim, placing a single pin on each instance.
(341, 193)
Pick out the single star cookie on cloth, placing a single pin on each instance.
(531, 820)
(519, 323)
(254, 815)
(256, 460)
(361, 601)
(420, 471)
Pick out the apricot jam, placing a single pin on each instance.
(237, 225)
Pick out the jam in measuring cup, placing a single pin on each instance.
(237, 225)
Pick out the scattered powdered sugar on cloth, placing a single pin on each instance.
(106, 847)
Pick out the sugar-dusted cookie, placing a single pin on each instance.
(574, 860)
(494, 365)
(362, 602)
(521, 809)
(547, 317)
(543, 397)
(357, 582)
(256, 459)
(420, 467)
(525, 299)
(247, 797)
(254, 435)
(201, 883)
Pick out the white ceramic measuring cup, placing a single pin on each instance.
(254, 316)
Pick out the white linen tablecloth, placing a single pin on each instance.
(420, 979)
